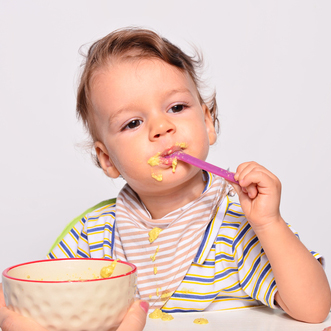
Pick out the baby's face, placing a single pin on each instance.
(142, 107)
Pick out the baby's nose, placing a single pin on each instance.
(161, 127)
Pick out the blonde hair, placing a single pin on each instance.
(136, 43)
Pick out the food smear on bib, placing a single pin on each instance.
(153, 234)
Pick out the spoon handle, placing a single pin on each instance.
(227, 175)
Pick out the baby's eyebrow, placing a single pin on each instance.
(113, 116)
(180, 90)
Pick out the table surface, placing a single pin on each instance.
(257, 319)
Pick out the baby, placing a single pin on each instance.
(139, 97)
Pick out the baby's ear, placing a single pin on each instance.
(105, 161)
(209, 125)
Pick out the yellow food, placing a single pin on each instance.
(174, 164)
(165, 295)
(153, 234)
(153, 257)
(157, 177)
(107, 271)
(166, 317)
(200, 321)
(154, 160)
(155, 270)
(181, 145)
(158, 313)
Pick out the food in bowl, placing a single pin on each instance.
(69, 294)
(108, 270)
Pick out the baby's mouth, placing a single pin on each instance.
(166, 157)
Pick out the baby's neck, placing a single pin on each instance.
(161, 205)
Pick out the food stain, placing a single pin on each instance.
(200, 321)
(153, 234)
(153, 257)
(154, 160)
(181, 145)
(158, 313)
(155, 270)
(158, 177)
(166, 295)
(174, 164)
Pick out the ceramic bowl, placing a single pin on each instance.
(67, 295)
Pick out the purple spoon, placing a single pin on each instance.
(229, 176)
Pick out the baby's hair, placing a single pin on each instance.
(134, 43)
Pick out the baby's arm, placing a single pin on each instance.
(303, 289)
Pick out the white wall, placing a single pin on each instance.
(268, 60)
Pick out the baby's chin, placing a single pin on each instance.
(163, 181)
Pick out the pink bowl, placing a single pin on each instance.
(66, 295)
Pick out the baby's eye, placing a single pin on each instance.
(177, 108)
(133, 124)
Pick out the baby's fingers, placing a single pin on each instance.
(253, 173)
(255, 177)
(247, 167)
(250, 190)
(11, 321)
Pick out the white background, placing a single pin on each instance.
(268, 60)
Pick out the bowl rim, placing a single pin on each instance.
(5, 272)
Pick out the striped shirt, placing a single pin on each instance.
(229, 271)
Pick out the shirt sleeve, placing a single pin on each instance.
(74, 244)
(255, 273)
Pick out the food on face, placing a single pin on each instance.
(153, 257)
(154, 160)
(200, 321)
(157, 177)
(153, 234)
(181, 145)
(107, 271)
(158, 313)
(174, 164)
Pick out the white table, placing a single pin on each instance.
(255, 319)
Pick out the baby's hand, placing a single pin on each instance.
(259, 193)
(11, 321)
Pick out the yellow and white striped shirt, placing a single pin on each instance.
(229, 271)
